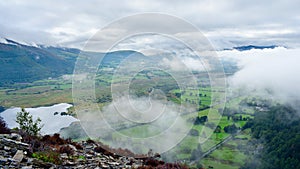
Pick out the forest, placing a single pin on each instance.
(275, 139)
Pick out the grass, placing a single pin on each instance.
(189, 142)
(224, 122)
(184, 156)
(191, 96)
(209, 143)
(39, 93)
(35, 100)
(217, 164)
(141, 131)
(230, 155)
(48, 156)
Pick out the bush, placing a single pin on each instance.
(26, 123)
(194, 132)
(186, 150)
(196, 153)
(3, 127)
(48, 156)
(77, 146)
(54, 140)
(218, 129)
(66, 149)
(231, 129)
(200, 120)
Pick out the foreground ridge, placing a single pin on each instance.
(23, 151)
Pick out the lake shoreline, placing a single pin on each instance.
(36, 106)
(52, 121)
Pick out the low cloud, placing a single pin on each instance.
(272, 71)
(183, 63)
(161, 126)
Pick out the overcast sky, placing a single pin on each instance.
(225, 22)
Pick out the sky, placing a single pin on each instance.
(225, 23)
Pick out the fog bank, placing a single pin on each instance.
(272, 71)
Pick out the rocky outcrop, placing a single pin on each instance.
(16, 154)
(55, 152)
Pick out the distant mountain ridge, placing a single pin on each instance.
(249, 47)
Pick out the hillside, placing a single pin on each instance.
(22, 63)
(26, 151)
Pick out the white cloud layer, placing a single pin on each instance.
(183, 63)
(71, 23)
(275, 70)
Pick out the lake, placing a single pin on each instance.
(52, 123)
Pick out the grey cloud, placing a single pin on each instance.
(78, 19)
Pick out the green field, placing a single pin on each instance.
(231, 155)
(39, 93)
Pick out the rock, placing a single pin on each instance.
(3, 160)
(73, 147)
(13, 154)
(135, 165)
(102, 165)
(18, 157)
(14, 150)
(29, 161)
(15, 136)
(4, 153)
(12, 143)
(113, 163)
(69, 163)
(89, 156)
(4, 136)
(64, 156)
(89, 147)
(6, 148)
(80, 160)
(41, 164)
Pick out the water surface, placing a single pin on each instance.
(52, 123)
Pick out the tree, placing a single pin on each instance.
(196, 153)
(231, 129)
(26, 123)
(228, 117)
(200, 120)
(278, 131)
(218, 129)
(178, 95)
(194, 132)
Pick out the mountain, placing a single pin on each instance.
(249, 47)
(23, 63)
(12, 42)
